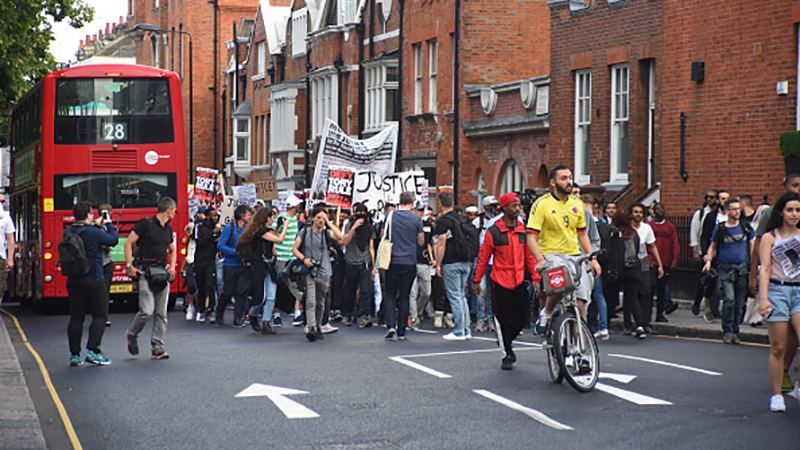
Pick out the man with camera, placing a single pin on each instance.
(311, 247)
(154, 240)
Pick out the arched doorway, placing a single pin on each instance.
(511, 178)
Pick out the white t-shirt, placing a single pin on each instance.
(646, 237)
(6, 228)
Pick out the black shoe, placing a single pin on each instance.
(649, 330)
(513, 356)
(696, 309)
(267, 328)
(108, 323)
(640, 333)
(318, 333)
(133, 344)
(254, 324)
(311, 336)
(390, 334)
(671, 308)
(661, 319)
(507, 363)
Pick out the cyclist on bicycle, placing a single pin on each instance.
(505, 241)
(557, 226)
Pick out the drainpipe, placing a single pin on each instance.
(399, 105)
(371, 29)
(308, 145)
(215, 89)
(360, 31)
(340, 100)
(456, 99)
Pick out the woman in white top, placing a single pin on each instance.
(780, 270)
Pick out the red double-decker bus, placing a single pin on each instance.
(104, 133)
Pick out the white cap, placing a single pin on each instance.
(261, 202)
(471, 209)
(292, 201)
(489, 200)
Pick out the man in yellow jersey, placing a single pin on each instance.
(557, 226)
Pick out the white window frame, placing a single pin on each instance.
(261, 54)
(299, 32)
(283, 119)
(433, 69)
(512, 180)
(180, 50)
(620, 130)
(155, 49)
(324, 99)
(348, 11)
(579, 5)
(417, 78)
(156, 3)
(583, 122)
(376, 93)
(241, 135)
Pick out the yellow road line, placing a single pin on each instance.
(62, 412)
(713, 341)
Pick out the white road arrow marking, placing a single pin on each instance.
(668, 364)
(290, 408)
(618, 377)
(419, 367)
(532, 413)
(517, 342)
(632, 397)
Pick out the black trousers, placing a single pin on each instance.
(237, 285)
(204, 278)
(631, 286)
(510, 308)
(86, 298)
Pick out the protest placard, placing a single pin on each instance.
(245, 194)
(205, 187)
(340, 187)
(376, 190)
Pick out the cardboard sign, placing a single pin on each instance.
(376, 190)
(229, 203)
(340, 188)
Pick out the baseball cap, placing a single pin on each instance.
(292, 201)
(508, 198)
(471, 209)
(489, 200)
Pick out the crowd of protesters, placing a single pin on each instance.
(467, 271)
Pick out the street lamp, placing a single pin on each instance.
(139, 29)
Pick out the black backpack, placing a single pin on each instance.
(72, 253)
(467, 239)
(723, 232)
(623, 254)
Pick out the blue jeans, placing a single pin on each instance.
(456, 277)
(600, 300)
(399, 279)
(734, 291)
(485, 311)
(266, 305)
(472, 299)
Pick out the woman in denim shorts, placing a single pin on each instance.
(780, 303)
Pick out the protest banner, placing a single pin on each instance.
(375, 154)
(226, 208)
(245, 194)
(376, 190)
(205, 188)
(340, 188)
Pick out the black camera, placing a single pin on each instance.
(314, 268)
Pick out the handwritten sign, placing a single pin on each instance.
(340, 188)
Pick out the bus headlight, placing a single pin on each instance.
(48, 244)
(183, 251)
(48, 278)
(48, 256)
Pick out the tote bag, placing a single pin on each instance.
(384, 257)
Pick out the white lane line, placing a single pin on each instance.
(669, 364)
(632, 397)
(419, 367)
(461, 352)
(530, 344)
(618, 377)
(532, 413)
(425, 331)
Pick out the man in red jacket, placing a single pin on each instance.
(669, 249)
(506, 241)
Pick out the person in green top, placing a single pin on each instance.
(283, 253)
(791, 184)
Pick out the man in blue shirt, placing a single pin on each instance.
(236, 277)
(88, 293)
(731, 243)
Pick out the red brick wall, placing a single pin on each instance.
(734, 117)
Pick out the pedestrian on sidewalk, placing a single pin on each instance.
(235, 276)
(780, 302)
(669, 249)
(312, 247)
(731, 245)
(86, 285)
(647, 247)
(154, 239)
(7, 245)
(507, 243)
(625, 273)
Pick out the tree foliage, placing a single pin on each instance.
(26, 29)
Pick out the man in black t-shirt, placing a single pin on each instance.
(155, 239)
(421, 289)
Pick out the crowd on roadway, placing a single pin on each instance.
(468, 271)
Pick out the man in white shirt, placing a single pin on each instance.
(7, 245)
(647, 241)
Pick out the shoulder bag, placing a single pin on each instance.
(384, 256)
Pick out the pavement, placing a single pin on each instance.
(19, 422)
(232, 388)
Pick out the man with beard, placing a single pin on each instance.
(669, 250)
(557, 225)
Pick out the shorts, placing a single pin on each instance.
(785, 302)
(584, 289)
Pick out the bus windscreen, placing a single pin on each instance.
(128, 190)
(113, 110)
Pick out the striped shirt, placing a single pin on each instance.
(283, 249)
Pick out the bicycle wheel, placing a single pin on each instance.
(554, 367)
(576, 351)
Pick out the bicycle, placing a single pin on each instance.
(571, 347)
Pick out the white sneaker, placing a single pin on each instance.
(328, 329)
(453, 337)
(190, 312)
(602, 335)
(448, 320)
(468, 334)
(796, 391)
(776, 404)
(201, 318)
(438, 319)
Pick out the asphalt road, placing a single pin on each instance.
(455, 398)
